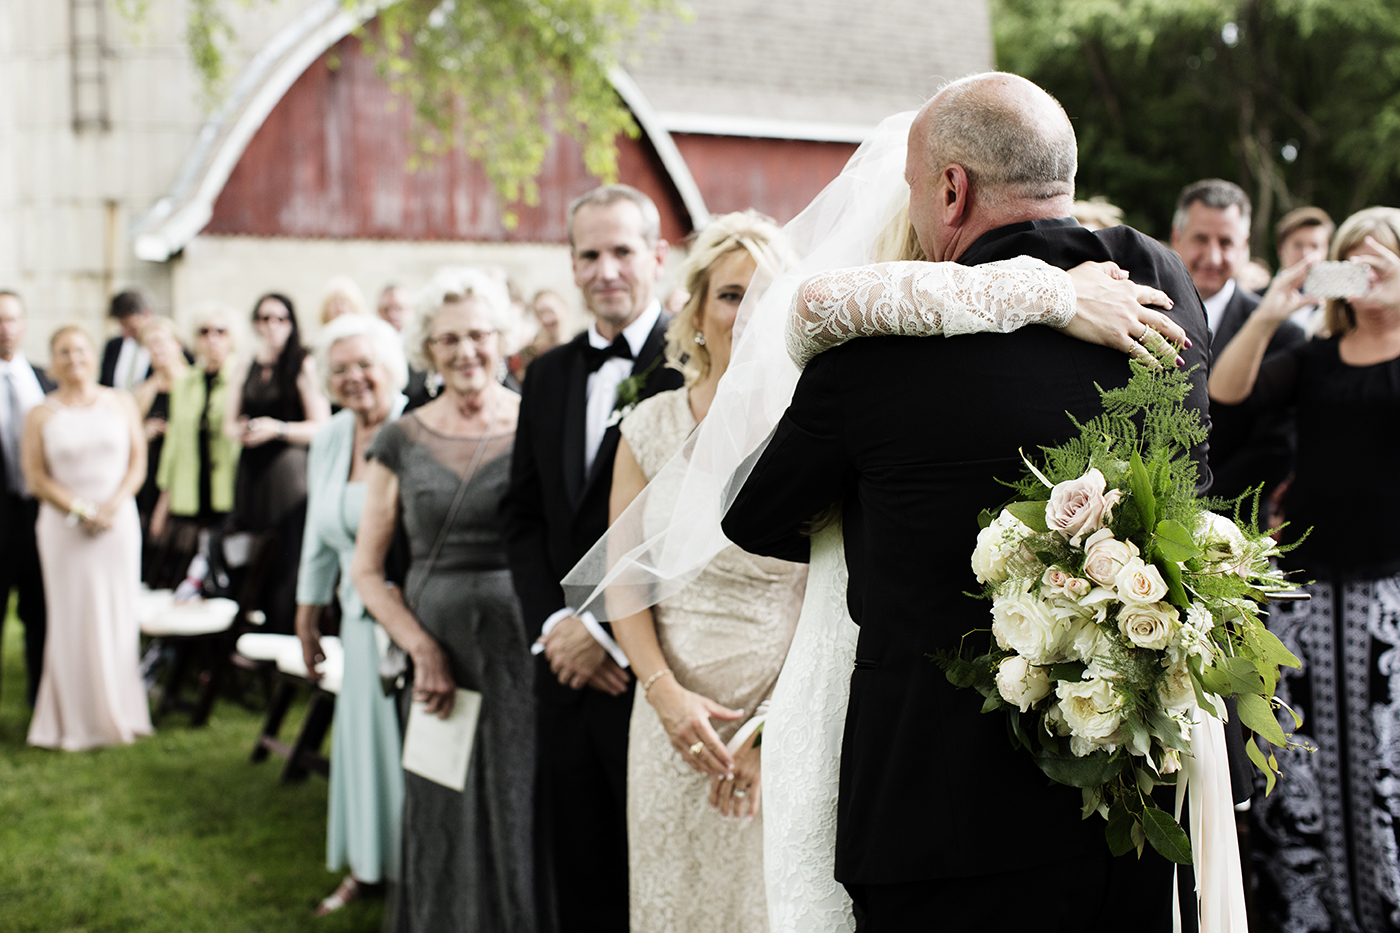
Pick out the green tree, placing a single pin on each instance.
(496, 77)
(1298, 101)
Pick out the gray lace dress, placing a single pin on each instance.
(467, 857)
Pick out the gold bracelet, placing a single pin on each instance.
(646, 687)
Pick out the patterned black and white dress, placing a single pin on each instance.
(1326, 848)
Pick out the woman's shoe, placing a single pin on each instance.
(349, 890)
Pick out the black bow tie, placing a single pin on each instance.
(597, 356)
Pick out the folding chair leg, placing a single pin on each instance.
(272, 723)
(305, 753)
(174, 680)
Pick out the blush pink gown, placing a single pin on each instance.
(91, 692)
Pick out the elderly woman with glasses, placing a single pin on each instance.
(468, 854)
(363, 367)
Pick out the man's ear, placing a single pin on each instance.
(956, 188)
(662, 250)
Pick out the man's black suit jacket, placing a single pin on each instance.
(554, 513)
(1249, 447)
(911, 435)
(110, 354)
(17, 515)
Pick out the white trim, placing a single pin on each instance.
(178, 217)
(671, 158)
(714, 124)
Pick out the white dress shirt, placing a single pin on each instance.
(602, 384)
(132, 363)
(28, 392)
(1215, 306)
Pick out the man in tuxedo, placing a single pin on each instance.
(941, 823)
(1210, 232)
(125, 363)
(22, 386)
(557, 507)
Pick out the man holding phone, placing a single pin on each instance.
(1210, 232)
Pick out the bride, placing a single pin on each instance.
(858, 219)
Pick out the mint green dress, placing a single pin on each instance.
(366, 781)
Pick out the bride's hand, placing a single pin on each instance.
(686, 717)
(1113, 312)
(741, 795)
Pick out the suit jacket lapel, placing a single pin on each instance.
(575, 418)
(607, 449)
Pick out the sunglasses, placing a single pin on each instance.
(216, 331)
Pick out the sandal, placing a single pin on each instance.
(348, 890)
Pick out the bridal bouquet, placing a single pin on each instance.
(1119, 605)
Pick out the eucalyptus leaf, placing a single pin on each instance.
(1176, 592)
(1275, 651)
(1089, 771)
(1256, 756)
(1174, 542)
(1257, 714)
(1244, 675)
(992, 703)
(1030, 514)
(1166, 836)
(1070, 670)
(1119, 831)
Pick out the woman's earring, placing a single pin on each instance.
(700, 338)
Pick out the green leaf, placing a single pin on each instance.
(1174, 542)
(1031, 514)
(985, 518)
(1256, 756)
(1274, 650)
(1141, 486)
(1090, 771)
(1119, 831)
(1212, 678)
(1166, 836)
(1257, 714)
(1070, 670)
(1244, 675)
(992, 703)
(1176, 593)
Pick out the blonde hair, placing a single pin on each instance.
(67, 329)
(342, 287)
(899, 241)
(747, 230)
(1383, 223)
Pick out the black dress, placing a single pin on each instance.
(1326, 850)
(270, 493)
(467, 857)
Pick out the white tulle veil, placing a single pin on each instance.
(672, 530)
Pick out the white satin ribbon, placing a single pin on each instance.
(1215, 851)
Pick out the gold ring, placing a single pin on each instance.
(697, 748)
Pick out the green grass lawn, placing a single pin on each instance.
(177, 833)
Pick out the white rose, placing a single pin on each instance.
(1105, 555)
(1079, 507)
(1022, 684)
(995, 546)
(1175, 689)
(1226, 548)
(1024, 624)
(1138, 582)
(1148, 626)
(1085, 641)
(1092, 711)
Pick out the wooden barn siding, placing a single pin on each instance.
(776, 176)
(331, 160)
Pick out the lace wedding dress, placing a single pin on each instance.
(807, 713)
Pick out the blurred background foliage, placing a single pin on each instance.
(1298, 101)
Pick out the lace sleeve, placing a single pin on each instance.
(924, 299)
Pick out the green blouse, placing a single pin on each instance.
(179, 459)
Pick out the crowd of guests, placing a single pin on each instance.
(466, 469)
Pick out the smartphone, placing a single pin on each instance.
(1336, 280)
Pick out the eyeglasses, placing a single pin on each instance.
(450, 341)
(272, 319)
(343, 369)
(216, 331)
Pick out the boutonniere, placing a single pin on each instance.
(629, 393)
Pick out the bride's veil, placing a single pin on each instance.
(672, 530)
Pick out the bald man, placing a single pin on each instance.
(941, 822)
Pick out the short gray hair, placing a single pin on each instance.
(1215, 193)
(462, 283)
(383, 340)
(611, 194)
(1011, 148)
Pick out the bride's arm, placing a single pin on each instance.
(1093, 302)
